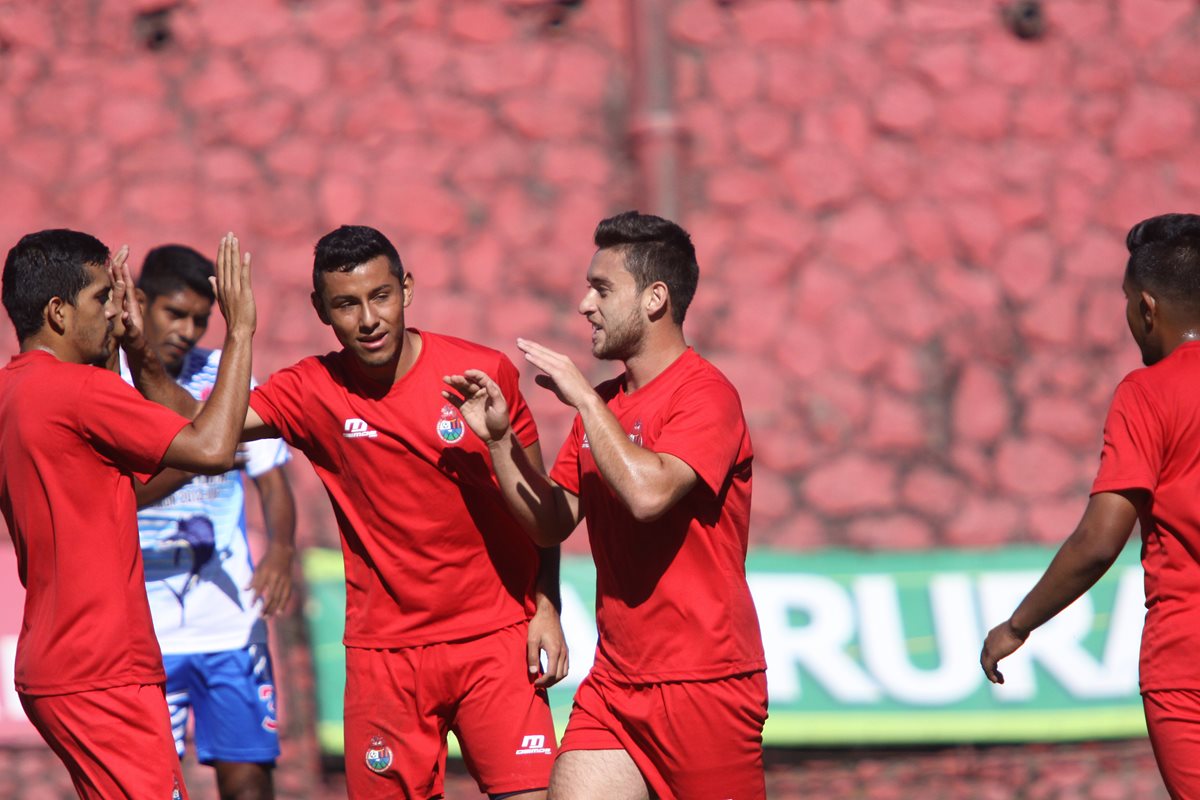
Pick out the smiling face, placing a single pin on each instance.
(613, 305)
(365, 307)
(174, 323)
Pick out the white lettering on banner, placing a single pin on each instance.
(1058, 645)
(868, 613)
(883, 640)
(10, 704)
(819, 645)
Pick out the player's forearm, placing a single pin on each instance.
(279, 509)
(636, 475)
(155, 383)
(1081, 561)
(530, 494)
(548, 586)
(164, 484)
(209, 444)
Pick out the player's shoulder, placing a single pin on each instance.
(452, 347)
(700, 374)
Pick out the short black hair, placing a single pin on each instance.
(1163, 228)
(1169, 269)
(175, 267)
(45, 265)
(349, 246)
(655, 249)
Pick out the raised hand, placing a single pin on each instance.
(232, 286)
(481, 402)
(561, 376)
(127, 324)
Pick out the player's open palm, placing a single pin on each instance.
(560, 375)
(481, 402)
(232, 286)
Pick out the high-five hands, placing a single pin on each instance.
(127, 324)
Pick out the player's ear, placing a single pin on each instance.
(657, 299)
(55, 314)
(140, 296)
(406, 287)
(1148, 309)
(319, 307)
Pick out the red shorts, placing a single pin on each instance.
(401, 703)
(689, 739)
(115, 742)
(1173, 719)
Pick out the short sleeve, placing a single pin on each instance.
(280, 403)
(1133, 442)
(131, 430)
(705, 428)
(509, 381)
(566, 466)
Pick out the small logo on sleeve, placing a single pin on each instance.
(534, 744)
(356, 428)
(379, 755)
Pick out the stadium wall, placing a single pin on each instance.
(909, 218)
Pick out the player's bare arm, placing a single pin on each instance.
(1083, 558)
(648, 483)
(545, 628)
(547, 511)
(209, 443)
(272, 581)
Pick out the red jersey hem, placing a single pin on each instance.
(134, 679)
(393, 643)
(715, 673)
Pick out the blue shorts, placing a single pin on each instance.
(233, 696)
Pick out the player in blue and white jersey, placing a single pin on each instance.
(208, 600)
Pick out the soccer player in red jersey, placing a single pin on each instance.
(72, 438)
(659, 463)
(1149, 471)
(448, 602)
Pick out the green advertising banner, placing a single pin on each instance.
(872, 648)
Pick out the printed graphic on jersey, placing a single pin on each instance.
(379, 755)
(635, 435)
(355, 428)
(450, 427)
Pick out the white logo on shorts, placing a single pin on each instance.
(534, 744)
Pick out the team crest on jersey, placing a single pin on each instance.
(379, 755)
(450, 426)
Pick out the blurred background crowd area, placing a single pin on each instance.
(909, 216)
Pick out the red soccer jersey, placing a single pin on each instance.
(71, 436)
(432, 552)
(671, 596)
(1152, 442)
